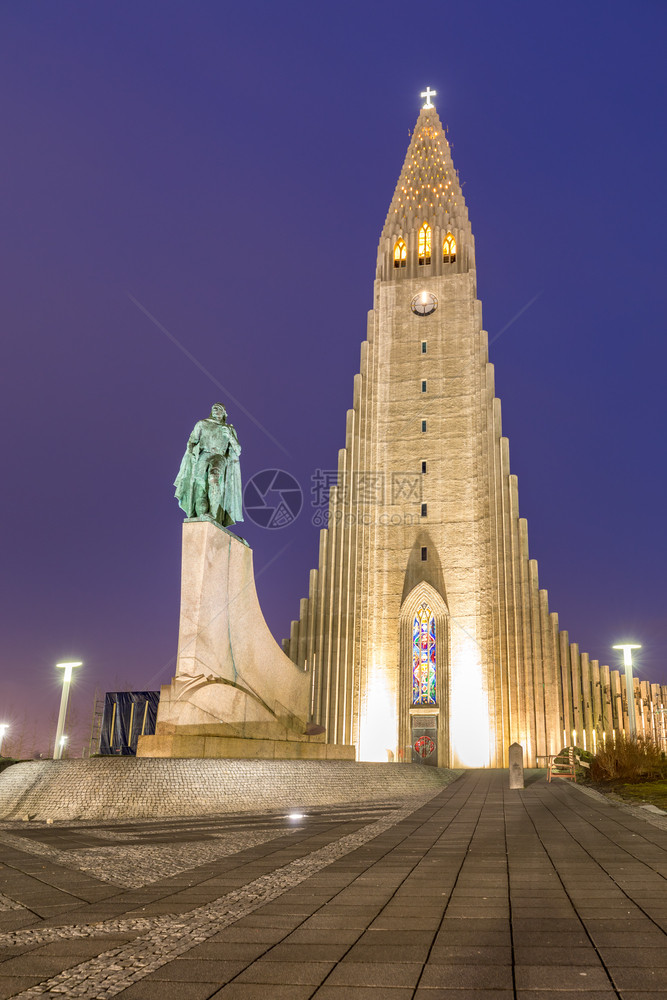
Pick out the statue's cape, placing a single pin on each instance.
(230, 487)
(185, 484)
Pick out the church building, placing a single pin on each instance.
(425, 632)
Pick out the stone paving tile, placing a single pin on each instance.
(169, 991)
(203, 970)
(467, 976)
(263, 971)
(387, 953)
(34, 964)
(537, 977)
(384, 974)
(286, 952)
(317, 935)
(473, 954)
(362, 993)
(485, 939)
(639, 979)
(226, 951)
(629, 958)
(641, 995)
(568, 995)
(455, 994)
(253, 991)
(555, 956)
(11, 986)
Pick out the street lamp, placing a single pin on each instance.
(4, 726)
(627, 648)
(64, 698)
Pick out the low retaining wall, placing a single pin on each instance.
(116, 788)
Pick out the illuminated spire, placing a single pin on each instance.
(428, 190)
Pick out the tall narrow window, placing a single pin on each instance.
(448, 249)
(423, 385)
(423, 466)
(423, 347)
(424, 509)
(423, 657)
(425, 244)
(400, 253)
(423, 426)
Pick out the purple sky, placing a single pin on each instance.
(230, 166)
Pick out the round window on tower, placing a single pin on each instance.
(424, 304)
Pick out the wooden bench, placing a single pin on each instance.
(562, 765)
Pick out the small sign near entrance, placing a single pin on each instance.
(425, 740)
(424, 746)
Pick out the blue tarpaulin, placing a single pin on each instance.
(127, 716)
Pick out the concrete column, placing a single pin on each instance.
(551, 682)
(620, 719)
(596, 686)
(566, 686)
(587, 700)
(538, 661)
(575, 675)
(607, 707)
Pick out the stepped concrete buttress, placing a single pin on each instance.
(235, 693)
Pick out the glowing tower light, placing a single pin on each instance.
(64, 698)
(4, 726)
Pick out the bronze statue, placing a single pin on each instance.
(208, 484)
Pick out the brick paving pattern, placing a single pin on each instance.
(475, 892)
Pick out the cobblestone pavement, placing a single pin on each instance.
(477, 892)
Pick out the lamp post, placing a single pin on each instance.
(627, 648)
(4, 726)
(64, 698)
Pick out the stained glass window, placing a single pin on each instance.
(400, 253)
(425, 244)
(423, 657)
(449, 249)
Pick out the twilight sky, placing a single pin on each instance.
(226, 169)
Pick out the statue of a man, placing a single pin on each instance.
(209, 481)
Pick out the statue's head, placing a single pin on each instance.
(218, 412)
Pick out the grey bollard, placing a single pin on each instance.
(516, 765)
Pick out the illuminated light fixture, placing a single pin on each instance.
(296, 816)
(4, 726)
(627, 648)
(60, 741)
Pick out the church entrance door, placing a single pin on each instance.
(425, 740)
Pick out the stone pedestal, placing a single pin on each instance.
(235, 693)
(516, 765)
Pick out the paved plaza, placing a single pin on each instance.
(478, 891)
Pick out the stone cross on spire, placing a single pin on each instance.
(428, 94)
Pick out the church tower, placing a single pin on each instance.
(425, 632)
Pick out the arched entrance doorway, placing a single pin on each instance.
(424, 678)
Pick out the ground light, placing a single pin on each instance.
(627, 648)
(64, 698)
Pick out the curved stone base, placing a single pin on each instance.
(116, 788)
